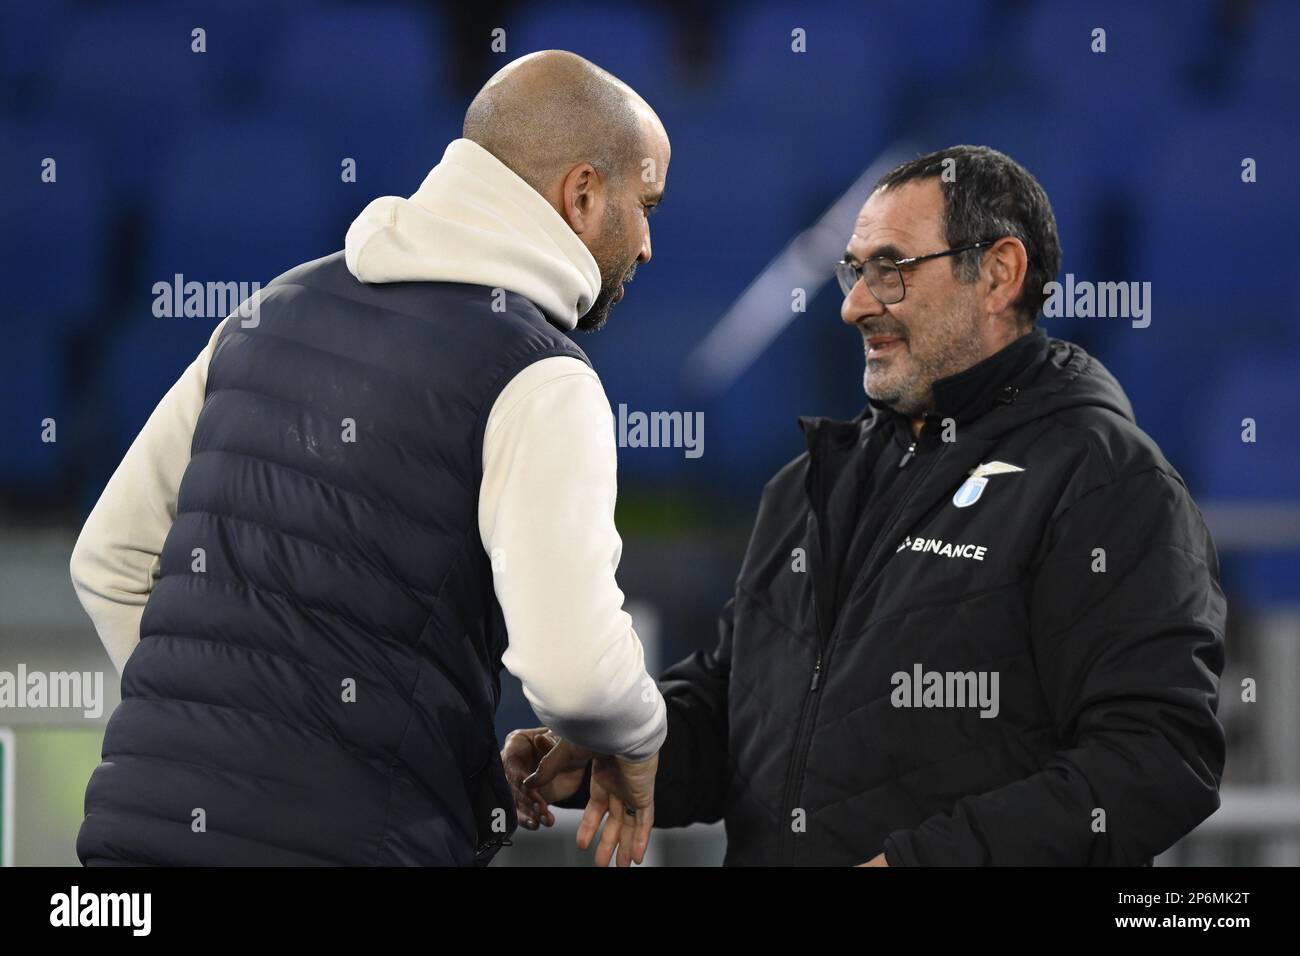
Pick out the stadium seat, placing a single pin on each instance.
(32, 389)
(629, 40)
(243, 201)
(129, 77)
(57, 230)
(1261, 386)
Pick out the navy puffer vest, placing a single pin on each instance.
(318, 665)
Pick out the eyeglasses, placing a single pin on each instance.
(884, 276)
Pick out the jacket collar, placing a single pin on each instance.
(962, 397)
(968, 394)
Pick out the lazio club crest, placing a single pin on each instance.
(973, 486)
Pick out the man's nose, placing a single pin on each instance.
(644, 255)
(860, 304)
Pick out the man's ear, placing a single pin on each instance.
(1005, 266)
(581, 198)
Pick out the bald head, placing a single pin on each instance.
(590, 146)
(546, 112)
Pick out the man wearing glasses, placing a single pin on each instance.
(979, 624)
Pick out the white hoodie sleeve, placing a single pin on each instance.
(546, 517)
(116, 558)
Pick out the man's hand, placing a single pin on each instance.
(523, 754)
(877, 860)
(617, 787)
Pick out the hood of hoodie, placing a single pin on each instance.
(473, 220)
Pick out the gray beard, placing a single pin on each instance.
(598, 314)
(915, 395)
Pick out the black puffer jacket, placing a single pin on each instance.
(1085, 583)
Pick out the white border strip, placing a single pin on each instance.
(7, 823)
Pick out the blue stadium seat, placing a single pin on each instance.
(937, 41)
(347, 63)
(1260, 386)
(57, 231)
(236, 202)
(243, 201)
(243, 39)
(144, 356)
(1218, 251)
(30, 33)
(372, 84)
(129, 77)
(1218, 255)
(1269, 78)
(1114, 98)
(851, 71)
(633, 41)
(32, 388)
(1164, 372)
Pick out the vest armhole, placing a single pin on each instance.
(498, 386)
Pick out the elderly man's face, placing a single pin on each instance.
(935, 331)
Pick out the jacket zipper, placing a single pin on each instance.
(799, 758)
(795, 769)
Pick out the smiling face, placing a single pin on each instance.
(940, 327)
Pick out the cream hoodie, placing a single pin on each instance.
(546, 504)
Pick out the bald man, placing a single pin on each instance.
(383, 480)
